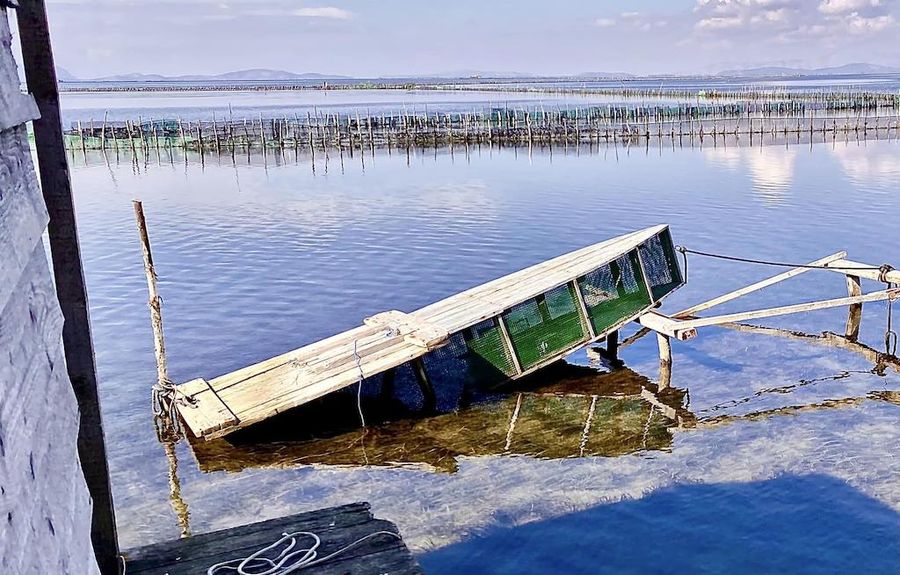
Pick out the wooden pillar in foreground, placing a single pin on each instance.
(40, 74)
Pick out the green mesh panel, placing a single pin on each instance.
(661, 264)
(488, 360)
(544, 326)
(614, 292)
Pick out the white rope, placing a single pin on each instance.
(288, 560)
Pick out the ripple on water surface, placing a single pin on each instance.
(256, 260)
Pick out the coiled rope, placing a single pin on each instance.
(288, 560)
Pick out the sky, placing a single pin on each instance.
(372, 38)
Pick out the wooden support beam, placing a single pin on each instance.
(40, 75)
(854, 315)
(424, 384)
(861, 270)
(583, 310)
(758, 286)
(665, 360)
(509, 345)
(612, 344)
(667, 326)
(789, 309)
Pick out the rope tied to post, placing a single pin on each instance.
(165, 397)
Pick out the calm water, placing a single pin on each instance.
(258, 258)
(211, 104)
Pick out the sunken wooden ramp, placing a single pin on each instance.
(336, 526)
(503, 329)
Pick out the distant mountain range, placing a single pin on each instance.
(256, 74)
(857, 69)
(64, 75)
(266, 75)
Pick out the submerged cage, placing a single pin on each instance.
(535, 332)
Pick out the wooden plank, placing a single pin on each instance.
(524, 285)
(666, 326)
(785, 310)
(507, 341)
(40, 74)
(337, 527)
(758, 286)
(867, 271)
(583, 310)
(413, 329)
(204, 411)
(599, 253)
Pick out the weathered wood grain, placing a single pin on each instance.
(337, 527)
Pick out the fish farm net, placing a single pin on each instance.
(537, 331)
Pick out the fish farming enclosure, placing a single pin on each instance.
(492, 333)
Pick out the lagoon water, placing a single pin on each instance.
(263, 255)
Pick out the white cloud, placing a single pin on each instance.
(719, 22)
(859, 24)
(604, 22)
(330, 12)
(844, 6)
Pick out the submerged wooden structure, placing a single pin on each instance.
(501, 330)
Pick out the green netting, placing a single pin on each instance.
(661, 264)
(544, 326)
(488, 359)
(614, 292)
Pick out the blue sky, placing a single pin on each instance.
(401, 37)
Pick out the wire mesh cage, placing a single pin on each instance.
(541, 329)
(614, 292)
(661, 264)
(545, 325)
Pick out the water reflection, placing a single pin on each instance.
(564, 411)
(569, 411)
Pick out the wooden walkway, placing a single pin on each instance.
(337, 527)
(385, 341)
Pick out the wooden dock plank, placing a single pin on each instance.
(386, 340)
(337, 527)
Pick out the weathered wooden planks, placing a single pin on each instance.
(242, 398)
(337, 527)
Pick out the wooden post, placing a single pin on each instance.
(665, 361)
(40, 74)
(424, 384)
(612, 345)
(159, 343)
(854, 316)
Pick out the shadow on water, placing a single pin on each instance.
(789, 524)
